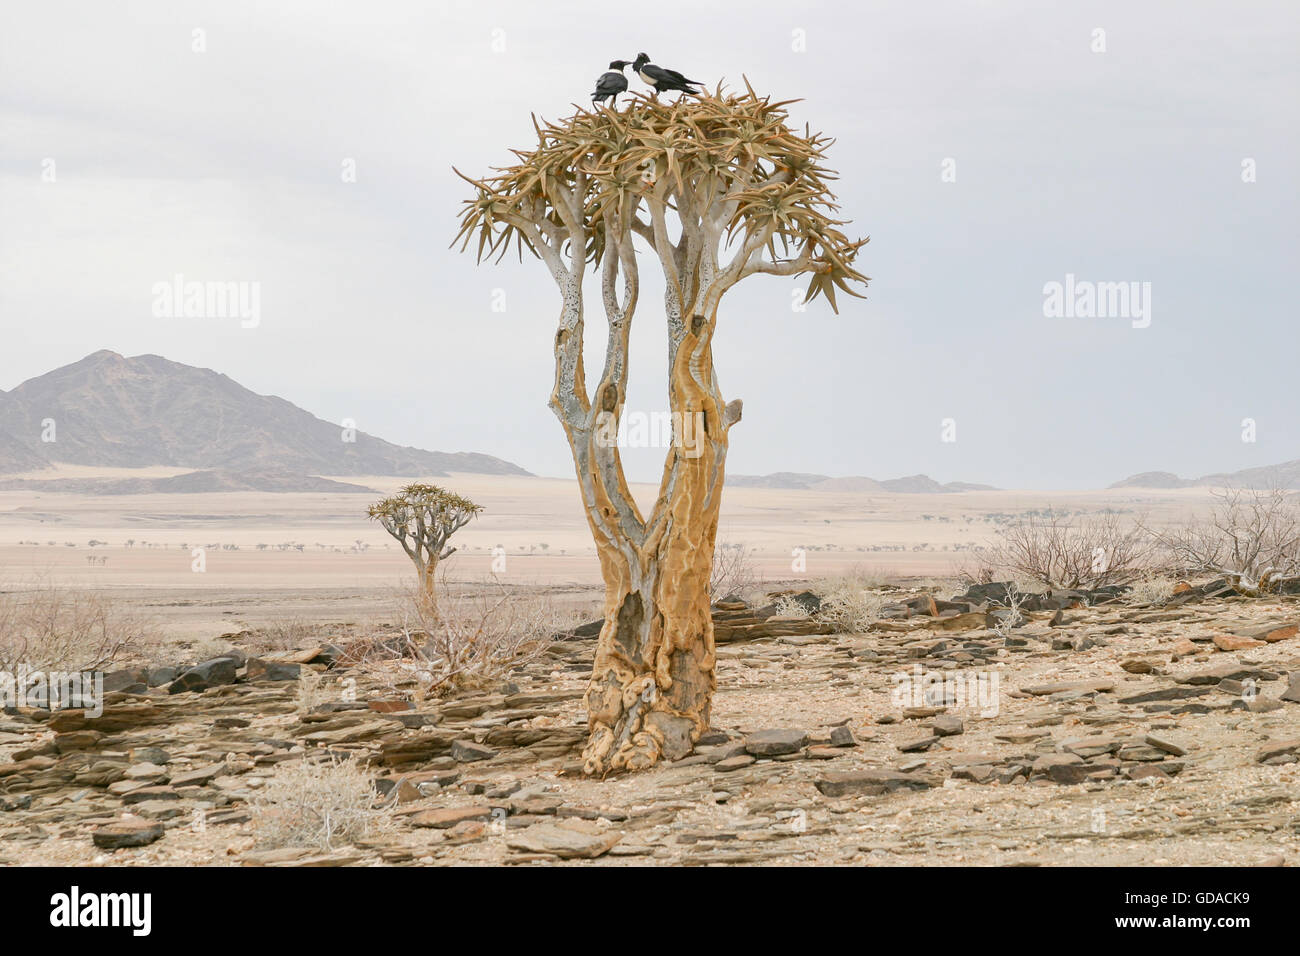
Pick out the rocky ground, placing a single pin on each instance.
(952, 732)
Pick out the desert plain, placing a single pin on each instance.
(1118, 733)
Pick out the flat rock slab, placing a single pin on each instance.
(570, 839)
(1271, 633)
(127, 833)
(467, 751)
(771, 743)
(871, 782)
(1166, 693)
(1234, 642)
(1292, 693)
(1168, 744)
(445, 818)
(1078, 686)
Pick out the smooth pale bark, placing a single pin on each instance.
(652, 683)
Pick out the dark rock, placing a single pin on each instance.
(871, 781)
(1167, 693)
(127, 833)
(212, 673)
(739, 762)
(467, 751)
(258, 669)
(127, 681)
(1292, 692)
(770, 743)
(947, 726)
(158, 676)
(843, 737)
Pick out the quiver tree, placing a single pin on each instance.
(717, 188)
(422, 518)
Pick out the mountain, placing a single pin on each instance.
(147, 411)
(1285, 475)
(190, 482)
(799, 481)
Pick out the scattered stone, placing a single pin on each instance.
(1271, 633)
(1167, 744)
(770, 743)
(213, 673)
(467, 751)
(947, 726)
(568, 839)
(1232, 642)
(739, 762)
(127, 833)
(1292, 692)
(843, 737)
(446, 817)
(1167, 693)
(258, 669)
(870, 782)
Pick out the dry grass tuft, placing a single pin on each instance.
(851, 601)
(317, 803)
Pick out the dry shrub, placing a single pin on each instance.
(787, 606)
(475, 638)
(310, 694)
(1251, 537)
(50, 627)
(206, 648)
(733, 574)
(284, 634)
(850, 601)
(317, 803)
(1059, 551)
(1151, 590)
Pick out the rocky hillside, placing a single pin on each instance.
(148, 411)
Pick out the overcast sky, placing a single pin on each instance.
(1126, 165)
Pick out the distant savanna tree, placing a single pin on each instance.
(422, 518)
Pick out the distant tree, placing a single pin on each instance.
(422, 518)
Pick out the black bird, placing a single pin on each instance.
(611, 84)
(662, 79)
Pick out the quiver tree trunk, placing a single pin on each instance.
(719, 188)
(653, 679)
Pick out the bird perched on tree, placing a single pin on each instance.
(662, 79)
(611, 84)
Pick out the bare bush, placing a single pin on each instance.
(1251, 537)
(1060, 551)
(787, 606)
(49, 627)
(317, 803)
(849, 601)
(1009, 617)
(284, 634)
(734, 574)
(310, 694)
(1151, 590)
(472, 638)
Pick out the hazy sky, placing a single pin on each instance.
(1126, 165)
